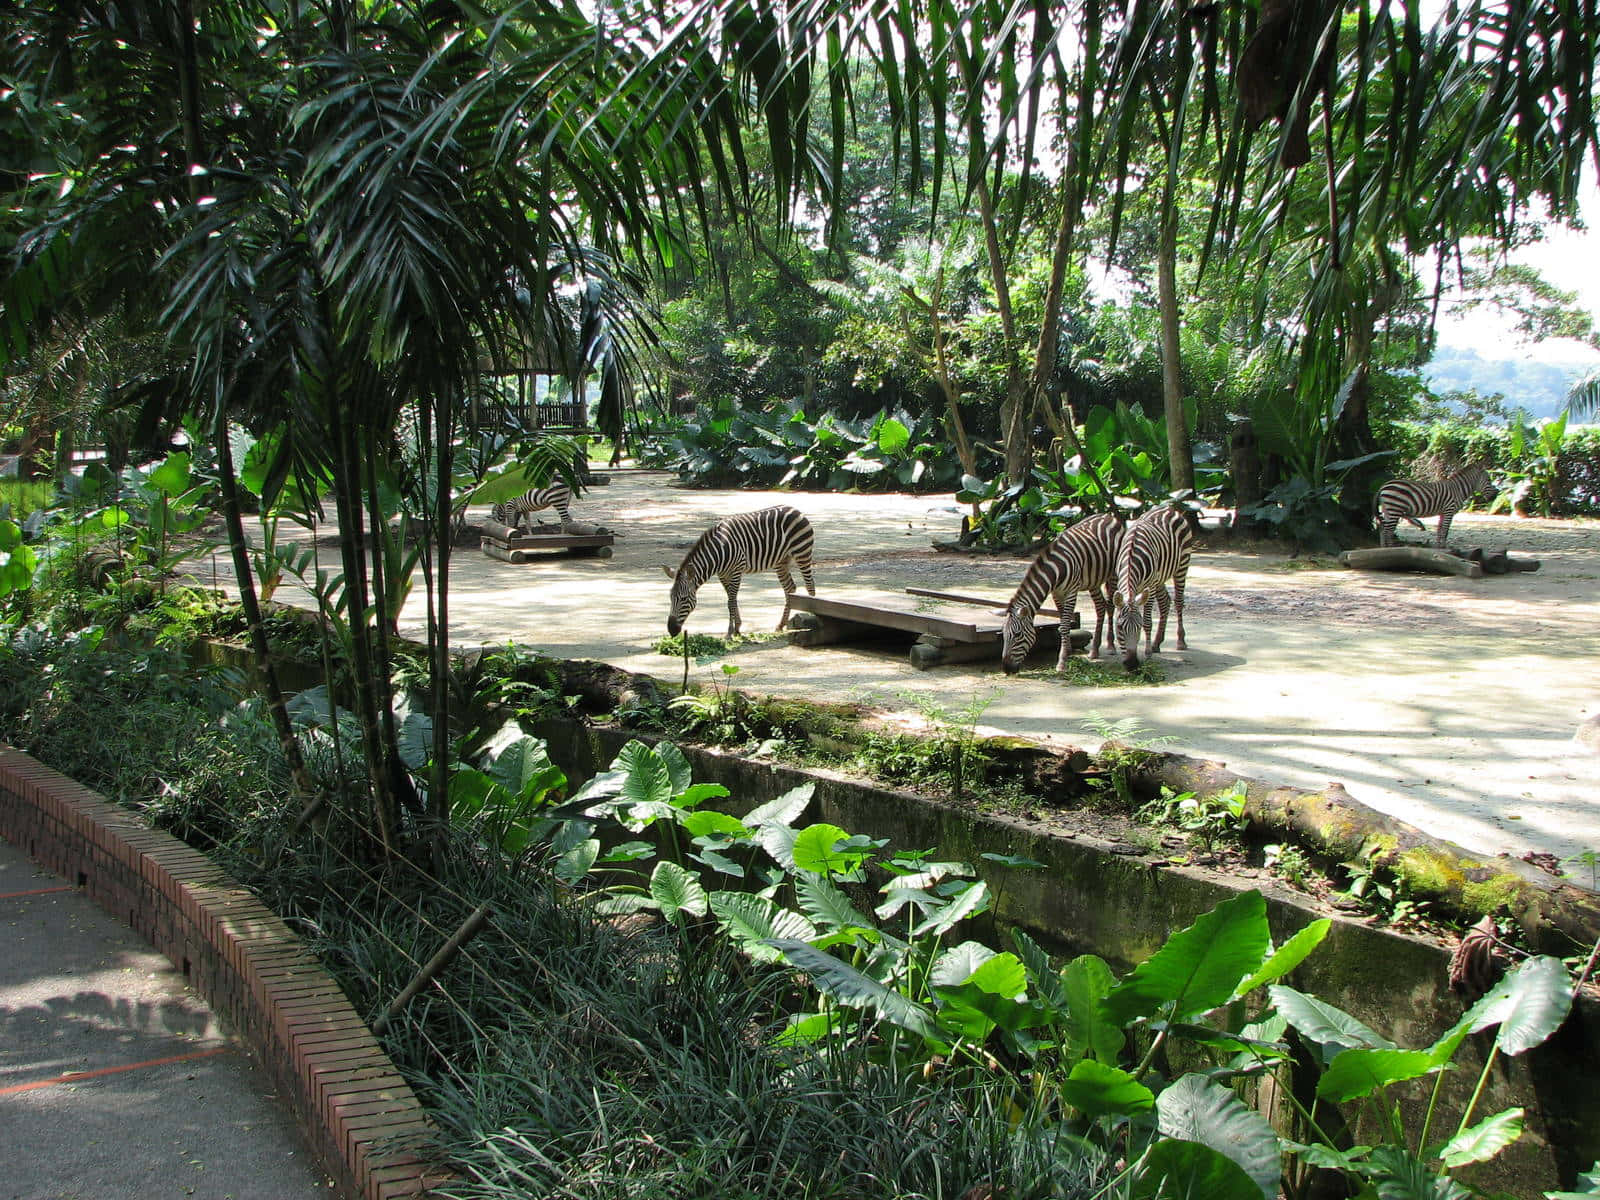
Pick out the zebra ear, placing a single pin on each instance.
(669, 572)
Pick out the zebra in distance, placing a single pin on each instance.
(1155, 548)
(766, 540)
(1082, 558)
(556, 495)
(1411, 499)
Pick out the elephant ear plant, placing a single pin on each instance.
(1142, 1076)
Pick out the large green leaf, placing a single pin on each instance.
(827, 905)
(1484, 1140)
(848, 986)
(785, 810)
(675, 890)
(893, 437)
(1529, 1004)
(709, 822)
(817, 848)
(1178, 1170)
(957, 964)
(1288, 956)
(974, 899)
(1320, 1023)
(172, 477)
(1085, 983)
(1199, 967)
(1042, 975)
(1194, 1109)
(755, 921)
(1588, 1180)
(1360, 1071)
(520, 763)
(1100, 1090)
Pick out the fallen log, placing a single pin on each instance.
(1411, 558)
(1556, 916)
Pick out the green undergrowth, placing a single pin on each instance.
(704, 647)
(1083, 671)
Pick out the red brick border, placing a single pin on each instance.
(357, 1112)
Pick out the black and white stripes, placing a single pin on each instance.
(556, 495)
(766, 540)
(1411, 499)
(1155, 548)
(1082, 558)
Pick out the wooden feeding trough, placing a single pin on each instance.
(967, 629)
(512, 545)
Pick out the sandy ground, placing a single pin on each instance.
(1447, 702)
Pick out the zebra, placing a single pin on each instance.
(765, 540)
(1083, 558)
(1155, 548)
(1410, 498)
(556, 495)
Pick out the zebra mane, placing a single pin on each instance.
(698, 551)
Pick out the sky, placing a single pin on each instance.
(1567, 258)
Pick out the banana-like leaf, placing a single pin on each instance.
(676, 891)
(1177, 1170)
(1531, 1003)
(1085, 983)
(785, 810)
(1100, 1090)
(754, 922)
(827, 905)
(1288, 956)
(843, 983)
(1199, 967)
(708, 821)
(1361, 1071)
(957, 964)
(974, 899)
(1484, 1140)
(1194, 1109)
(817, 849)
(1323, 1025)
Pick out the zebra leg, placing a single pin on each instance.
(1387, 523)
(1178, 581)
(788, 592)
(1163, 603)
(1067, 606)
(1102, 610)
(565, 514)
(805, 573)
(730, 584)
(1443, 535)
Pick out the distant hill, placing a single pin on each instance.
(1539, 386)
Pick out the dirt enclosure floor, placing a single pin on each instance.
(1447, 702)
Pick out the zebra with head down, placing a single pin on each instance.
(1082, 558)
(767, 540)
(556, 495)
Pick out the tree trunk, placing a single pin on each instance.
(1180, 455)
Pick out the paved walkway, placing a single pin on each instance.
(116, 1082)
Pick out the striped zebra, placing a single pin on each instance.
(766, 540)
(1411, 499)
(1155, 548)
(1083, 558)
(556, 495)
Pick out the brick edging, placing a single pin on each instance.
(354, 1107)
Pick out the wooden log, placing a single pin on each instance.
(503, 552)
(494, 529)
(1411, 558)
(931, 650)
(812, 629)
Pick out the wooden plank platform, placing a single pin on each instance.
(519, 546)
(972, 633)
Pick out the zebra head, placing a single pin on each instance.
(1017, 638)
(1128, 613)
(684, 595)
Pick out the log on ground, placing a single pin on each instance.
(1411, 558)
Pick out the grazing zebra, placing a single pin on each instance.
(758, 541)
(1083, 558)
(1155, 548)
(557, 495)
(1410, 498)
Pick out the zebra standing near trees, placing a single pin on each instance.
(1411, 499)
(1082, 558)
(1155, 548)
(766, 540)
(556, 495)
